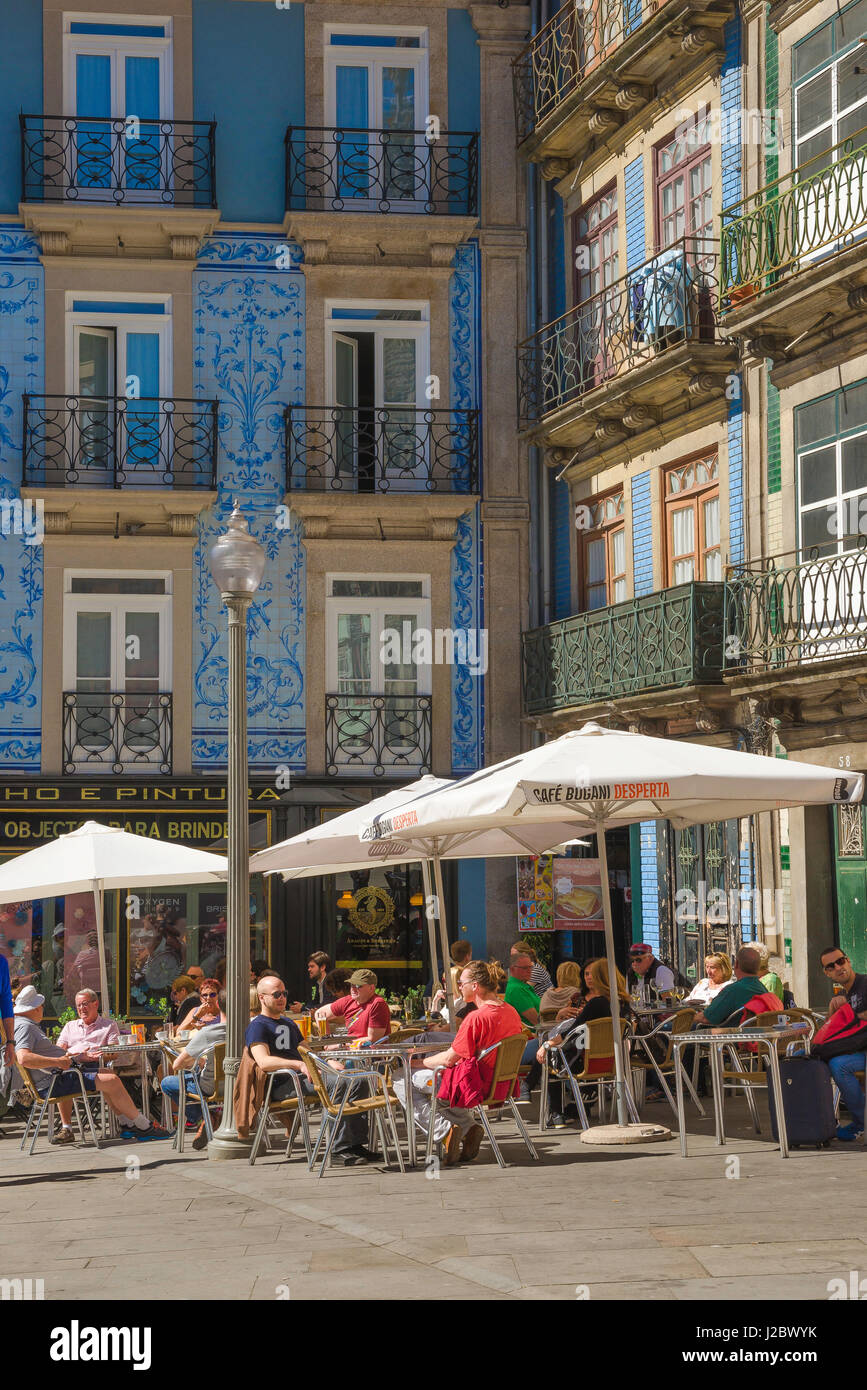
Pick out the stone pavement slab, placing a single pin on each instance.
(624, 1224)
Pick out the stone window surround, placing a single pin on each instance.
(328, 557)
(67, 552)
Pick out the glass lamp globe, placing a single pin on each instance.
(236, 559)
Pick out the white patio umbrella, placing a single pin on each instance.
(335, 847)
(601, 778)
(97, 857)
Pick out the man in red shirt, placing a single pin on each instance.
(366, 1014)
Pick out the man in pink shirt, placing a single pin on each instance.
(84, 1036)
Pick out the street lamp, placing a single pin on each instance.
(237, 563)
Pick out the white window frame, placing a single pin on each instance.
(357, 57)
(134, 323)
(117, 604)
(384, 328)
(116, 46)
(334, 604)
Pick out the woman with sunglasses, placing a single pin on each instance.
(208, 1011)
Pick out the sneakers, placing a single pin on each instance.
(472, 1143)
(557, 1120)
(345, 1159)
(654, 1095)
(524, 1098)
(65, 1136)
(153, 1131)
(848, 1133)
(365, 1154)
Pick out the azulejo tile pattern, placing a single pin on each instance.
(21, 370)
(468, 690)
(248, 347)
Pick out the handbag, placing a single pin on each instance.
(843, 1032)
(462, 1087)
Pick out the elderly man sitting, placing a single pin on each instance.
(43, 1058)
(83, 1037)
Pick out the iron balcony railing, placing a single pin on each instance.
(569, 48)
(120, 159)
(337, 169)
(379, 449)
(797, 608)
(371, 735)
(670, 638)
(108, 441)
(113, 731)
(668, 300)
(817, 209)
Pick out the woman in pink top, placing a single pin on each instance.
(489, 1022)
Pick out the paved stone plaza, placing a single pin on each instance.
(634, 1223)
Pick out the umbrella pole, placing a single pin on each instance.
(431, 928)
(105, 1002)
(620, 1084)
(444, 936)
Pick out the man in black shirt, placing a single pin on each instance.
(838, 967)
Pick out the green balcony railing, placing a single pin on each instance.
(667, 639)
(796, 609)
(817, 209)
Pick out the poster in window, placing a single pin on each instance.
(577, 895)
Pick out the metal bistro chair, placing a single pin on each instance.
(664, 1067)
(507, 1067)
(219, 1051)
(379, 1105)
(739, 1077)
(598, 1067)
(44, 1103)
(296, 1106)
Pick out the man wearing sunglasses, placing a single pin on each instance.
(273, 1042)
(838, 967)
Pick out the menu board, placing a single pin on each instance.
(578, 895)
(535, 893)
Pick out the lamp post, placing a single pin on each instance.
(237, 563)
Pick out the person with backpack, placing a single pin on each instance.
(846, 1052)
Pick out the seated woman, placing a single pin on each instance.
(596, 1004)
(337, 984)
(567, 991)
(491, 1020)
(719, 974)
(208, 1011)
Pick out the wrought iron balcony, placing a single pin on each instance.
(670, 638)
(668, 300)
(115, 442)
(378, 449)
(331, 169)
(113, 160)
(797, 609)
(114, 731)
(371, 735)
(818, 209)
(569, 48)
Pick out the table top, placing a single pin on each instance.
(705, 1035)
(130, 1046)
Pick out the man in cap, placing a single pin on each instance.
(43, 1058)
(645, 970)
(367, 1015)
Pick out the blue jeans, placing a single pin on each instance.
(843, 1070)
(171, 1086)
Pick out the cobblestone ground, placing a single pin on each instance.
(728, 1223)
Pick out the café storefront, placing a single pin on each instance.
(374, 918)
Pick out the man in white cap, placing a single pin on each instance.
(43, 1058)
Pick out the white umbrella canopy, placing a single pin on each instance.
(336, 847)
(97, 857)
(600, 778)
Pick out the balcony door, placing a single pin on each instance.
(371, 642)
(114, 72)
(599, 327)
(116, 667)
(378, 364)
(376, 97)
(118, 368)
(830, 108)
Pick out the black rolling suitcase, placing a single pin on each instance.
(808, 1102)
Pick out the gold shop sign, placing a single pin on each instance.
(372, 910)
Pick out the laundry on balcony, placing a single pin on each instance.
(660, 296)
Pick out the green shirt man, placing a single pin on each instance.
(519, 992)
